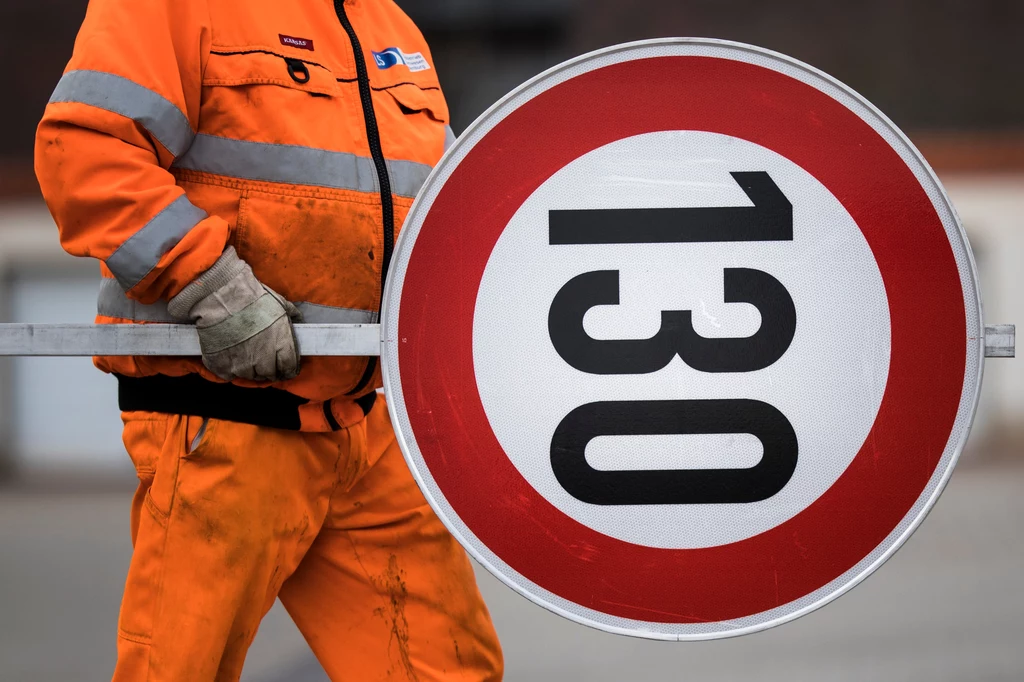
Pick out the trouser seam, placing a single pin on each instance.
(159, 588)
(162, 570)
(134, 637)
(158, 515)
(336, 485)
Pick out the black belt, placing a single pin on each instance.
(193, 395)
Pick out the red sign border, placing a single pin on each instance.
(438, 297)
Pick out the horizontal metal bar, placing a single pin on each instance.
(314, 339)
(169, 339)
(1000, 341)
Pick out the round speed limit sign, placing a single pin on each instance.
(682, 339)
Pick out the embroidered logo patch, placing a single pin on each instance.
(392, 56)
(301, 43)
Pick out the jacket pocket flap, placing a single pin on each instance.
(268, 68)
(413, 98)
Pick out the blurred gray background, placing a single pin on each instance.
(949, 606)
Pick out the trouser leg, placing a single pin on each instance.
(385, 592)
(217, 528)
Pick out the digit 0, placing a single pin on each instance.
(680, 486)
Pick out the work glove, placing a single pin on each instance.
(245, 329)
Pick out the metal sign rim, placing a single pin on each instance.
(389, 345)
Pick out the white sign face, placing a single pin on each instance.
(653, 339)
(828, 387)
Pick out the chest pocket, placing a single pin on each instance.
(412, 120)
(413, 99)
(259, 67)
(265, 97)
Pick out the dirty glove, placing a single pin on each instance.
(245, 329)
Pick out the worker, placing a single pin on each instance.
(242, 165)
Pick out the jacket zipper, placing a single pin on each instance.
(373, 138)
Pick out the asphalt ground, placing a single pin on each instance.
(948, 607)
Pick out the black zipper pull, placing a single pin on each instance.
(297, 69)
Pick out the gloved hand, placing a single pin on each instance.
(245, 329)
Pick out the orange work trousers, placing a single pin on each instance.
(229, 517)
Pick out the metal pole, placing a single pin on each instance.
(314, 339)
(169, 339)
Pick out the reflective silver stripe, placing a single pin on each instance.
(449, 137)
(297, 165)
(141, 252)
(279, 163)
(112, 302)
(313, 313)
(151, 110)
(407, 177)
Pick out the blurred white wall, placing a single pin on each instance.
(992, 211)
(60, 414)
(64, 415)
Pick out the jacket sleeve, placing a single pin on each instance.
(125, 108)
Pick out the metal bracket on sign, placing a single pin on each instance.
(1000, 340)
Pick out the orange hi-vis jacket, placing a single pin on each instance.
(299, 132)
